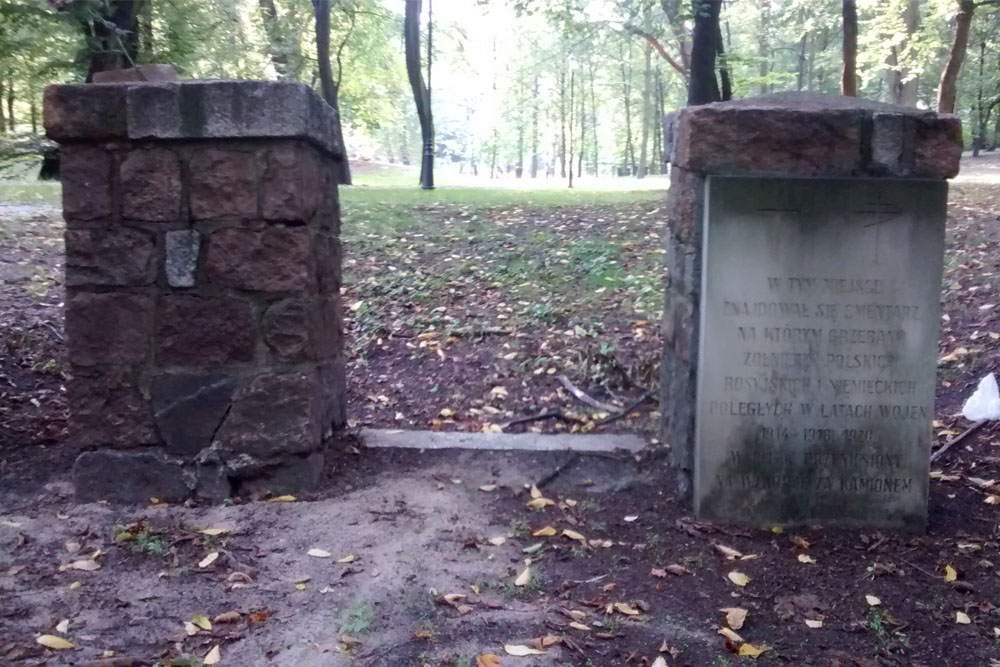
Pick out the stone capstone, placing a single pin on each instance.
(189, 409)
(181, 257)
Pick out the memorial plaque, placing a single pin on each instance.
(816, 371)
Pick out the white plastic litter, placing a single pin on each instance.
(985, 401)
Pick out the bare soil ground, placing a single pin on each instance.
(404, 529)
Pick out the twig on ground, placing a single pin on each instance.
(581, 396)
(551, 414)
(558, 471)
(624, 411)
(958, 438)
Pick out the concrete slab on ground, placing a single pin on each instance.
(536, 442)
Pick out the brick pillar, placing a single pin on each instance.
(203, 317)
(786, 135)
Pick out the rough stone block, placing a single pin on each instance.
(292, 475)
(684, 203)
(331, 327)
(87, 112)
(151, 185)
(204, 331)
(290, 328)
(937, 147)
(892, 145)
(223, 184)
(107, 409)
(292, 187)
(86, 183)
(108, 328)
(110, 256)
(276, 414)
(328, 263)
(181, 257)
(333, 378)
(274, 259)
(189, 409)
(213, 483)
(130, 477)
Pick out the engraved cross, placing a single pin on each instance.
(883, 212)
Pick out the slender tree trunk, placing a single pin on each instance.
(3, 118)
(279, 55)
(725, 74)
(947, 89)
(562, 124)
(421, 91)
(114, 40)
(980, 132)
(34, 115)
(849, 69)
(647, 84)
(800, 71)
(627, 93)
(583, 129)
(534, 130)
(329, 86)
(519, 170)
(704, 87)
(763, 46)
(10, 101)
(593, 119)
(572, 90)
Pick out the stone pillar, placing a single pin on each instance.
(203, 316)
(818, 140)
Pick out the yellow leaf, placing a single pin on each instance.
(625, 609)
(548, 531)
(508, 357)
(318, 553)
(209, 559)
(300, 587)
(949, 573)
(53, 642)
(521, 650)
(349, 558)
(498, 391)
(75, 585)
(814, 624)
(738, 578)
(751, 651)
(730, 554)
(578, 626)
(524, 578)
(659, 662)
(535, 492)
(872, 601)
(730, 635)
(487, 660)
(573, 535)
(214, 656)
(202, 622)
(190, 628)
(803, 558)
(213, 532)
(735, 616)
(497, 541)
(539, 503)
(962, 618)
(488, 487)
(447, 412)
(282, 499)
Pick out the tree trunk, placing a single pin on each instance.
(534, 130)
(947, 89)
(34, 116)
(800, 71)
(10, 101)
(849, 68)
(330, 87)
(725, 74)
(704, 88)
(583, 129)
(279, 55)
(981, 120)
(644, 132)
(763, 47)
(572, 90)
(113, 41)
(562, 124)
(593, 119)
(627, 92)
(3, 118)
(902, 86)
(421, 91)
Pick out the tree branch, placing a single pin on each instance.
(655, 43)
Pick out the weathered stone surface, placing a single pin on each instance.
(292, 187)
(223, 184)
(110, 256)
(151, 185)
(108, 328)
(213, 484)
(295, 474)
(149, 72)
(328, 262)
(274, 415)
(274, 259)
(816, 370)
(290, 328)
(330, 333)
(685, 203)
(85, 173)
(189, 409)
(204, 331)
(130, 477)
(937, 147)
(333, 380)
(84, 112)
(181, 257)
(107, 409)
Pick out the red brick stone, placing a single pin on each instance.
(151, 185)
(293, 183)
(328, 263)
(937, 147)
(106, 408)
(108, 328)
(110, 256)
(86, 183)
(274, 259)
(204, 331)
(290, 328)
(721, 139)
(223, 184)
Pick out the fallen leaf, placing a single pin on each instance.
(349, 558)
(214, 656)
(803, 558)
(72, 547)
(659, 662)
(631, 518)
(751, 651)
(962, 618)
(520, 650)
(735, 616)
(738, 578)
(282, 499)
(872, 601)
(535, 491)
(799, 541)
(202, 622)
(540, 503)
(730, 635)
(318, 553)
(209, 559)
(677, 570)
(63, 626)
(949, 573)
(497, 541)
(190, 628)
(524, 578)
(498, 391)
(300, 587)
(86, 564)
(548, 531)
(75, 585)
(573, 535)
(578, 626)
(214, 532)
(626, 609)
(488, 487)
(814, 624)
(658, 573)
(53, 642)
(729, 553)
(487, 660)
